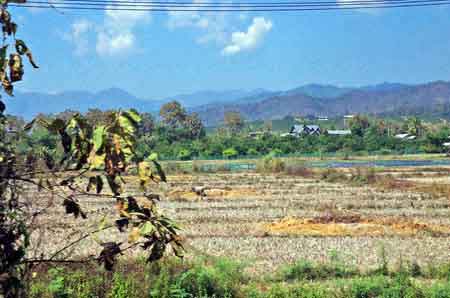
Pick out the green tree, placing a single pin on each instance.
(95, 153)
(414, 126)
(98, 117)
(173, 114)
(147, 125)
(358, 125)
(194, 126)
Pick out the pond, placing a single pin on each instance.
(241, 166)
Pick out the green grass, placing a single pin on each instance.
(223, 278)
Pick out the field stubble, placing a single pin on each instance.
(273, 219)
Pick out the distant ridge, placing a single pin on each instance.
(387, 98)
(257, 104)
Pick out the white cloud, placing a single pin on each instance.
(245, 41)
(78, 36)
(213, 26)
(116, 35)
(112, 44)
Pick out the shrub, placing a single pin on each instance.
(438, 290)
(252, 152)
(57, 285)
(440, 272)
(275, 152)
(284, 291)
(305, 270)
(123, 286)
(365, 288)
(230, 153)
(220, 280)
(184, 154)
(399, 287)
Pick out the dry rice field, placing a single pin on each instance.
(268, 220)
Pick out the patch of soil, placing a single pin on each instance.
(355, 225)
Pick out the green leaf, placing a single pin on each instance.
(96, 161)
(146, 229)
(98, 137)
(153, 156)
(127, 124)
(144, 170)
(135, 115)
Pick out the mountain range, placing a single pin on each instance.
(257, 104)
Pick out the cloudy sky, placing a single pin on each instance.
(157, 54)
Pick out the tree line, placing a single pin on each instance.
(177, 134)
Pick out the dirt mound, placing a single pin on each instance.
(355, 225)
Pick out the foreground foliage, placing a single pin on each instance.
(218, 277)
(96, 154)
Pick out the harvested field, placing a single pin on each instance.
(357, 226)
(272, 219)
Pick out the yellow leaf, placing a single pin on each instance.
(134, 235)
(96, 162)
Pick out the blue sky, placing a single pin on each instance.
(158, 54)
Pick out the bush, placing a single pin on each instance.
(399, 287)
(123, 286)
(184, 154)
(230, 153)
(284, 291)
(221, 280)
(366, 288)
(252, 152)
(438, 290)
(276, 152)
(305, 270)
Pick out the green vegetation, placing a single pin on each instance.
(178, 135)
(220, 277)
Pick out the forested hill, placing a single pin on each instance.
(398, 99)
(319, 100)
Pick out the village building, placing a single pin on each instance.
(302, 129)
(405, 136)
(339, 132)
